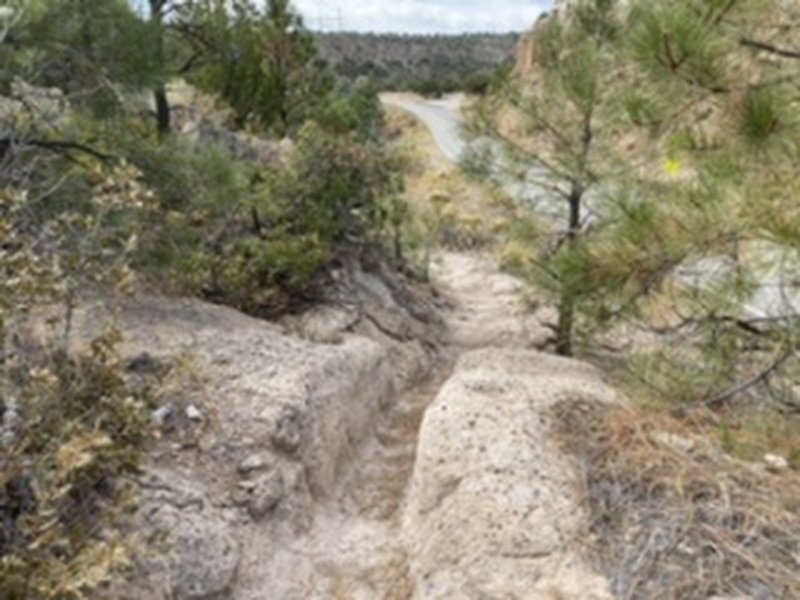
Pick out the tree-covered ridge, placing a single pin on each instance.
(430, 64)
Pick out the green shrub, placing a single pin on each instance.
(354, 109)
(72, 427)
(81, 430)
(256, 237)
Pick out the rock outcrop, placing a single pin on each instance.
(293, 464)
(199, 552)
(259, 421)
(491, 509)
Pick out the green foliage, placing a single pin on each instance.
(91, 199)
(185, 174)
(766, 118)
(257, 237)
(327, 198)
(671, 39)
(354, 108)
(736, 123)
(580, 77)
(596, 18)
(670, 121)
(761, 117)
(85, 47)
(675, 124)
(262, 63)
(234, 230)
(568, 118)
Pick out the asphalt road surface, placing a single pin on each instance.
(442, 118)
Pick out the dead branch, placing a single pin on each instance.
(769, 48)
(728, 395)
(54, 146)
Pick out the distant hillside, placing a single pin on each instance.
(429, 64)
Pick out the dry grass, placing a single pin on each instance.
(454, 211)
(672, 516)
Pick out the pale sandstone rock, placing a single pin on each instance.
(199, 554)
(674, 441)
(776, 463)
(259, 388)
(255, 462)
(193, 413)
(493, 316)
(491, 509)
(288, 433)
(311, 401)
(269, 491)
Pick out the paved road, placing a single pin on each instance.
(442, 117)
(444, 120)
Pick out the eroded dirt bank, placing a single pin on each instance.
(456, 492)
(394, 447)
(392, 443)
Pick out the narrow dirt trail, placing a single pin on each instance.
(353, 549)
(362, 541)
(376, 486)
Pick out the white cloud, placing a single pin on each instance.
(422, 16)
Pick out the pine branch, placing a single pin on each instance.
(723, 397)
(554, 131)
(674, 64)
(671, 61)
(535, 156)
(536, 182)
(189, 64)
(769, 48)
(724, 12)
(191, 33)
(54, 146)
(750, 326)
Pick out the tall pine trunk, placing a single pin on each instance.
(163, 113)
(569, 295)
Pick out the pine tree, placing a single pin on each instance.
(158, 9)
(263, 63)
(716, 83)
(674, 124)
(562, 138)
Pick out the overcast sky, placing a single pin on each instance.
(422, 16)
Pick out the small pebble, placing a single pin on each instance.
(194, 413)
(776, 463)
(255, 462)
(161, 415)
